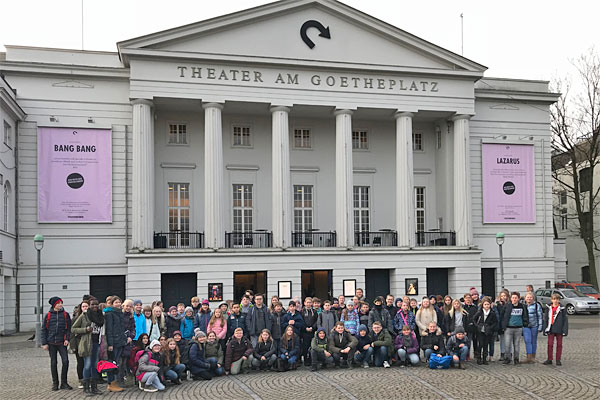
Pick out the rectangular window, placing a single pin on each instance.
(7, 133)
(302, 139)
(563, 219)
(361, 209)
(360, 140)
(420, 208)
(242, 208)
(417, 141)
(439, 138)
(179, 214)
(585, 180)
(303, 208)
(242, 136)
(178, 134)
(563, 197)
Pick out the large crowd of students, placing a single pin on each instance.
(130, 341)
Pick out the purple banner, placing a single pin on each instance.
(508, 183)
(74, 175)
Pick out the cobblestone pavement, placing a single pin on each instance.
(24, 374)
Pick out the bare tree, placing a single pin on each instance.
(575, 121)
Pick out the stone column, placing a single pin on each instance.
(214, 232)
(462, 182)
(142, 183)
(405, 198)
(282, 203)
(344, 215)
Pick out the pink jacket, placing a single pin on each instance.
(220, 331)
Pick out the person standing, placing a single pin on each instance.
(556, 327)
(530, 332)
(116, 339)
(258, 318)
(485, 323)
(55, 336)
(140, 319)
(515, 318)
(309, 315)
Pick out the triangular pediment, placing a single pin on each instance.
(273, 33)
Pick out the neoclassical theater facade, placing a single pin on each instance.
(296, 148)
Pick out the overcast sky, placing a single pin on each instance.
(528, 39)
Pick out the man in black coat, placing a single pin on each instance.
(55, 337)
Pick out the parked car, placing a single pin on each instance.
(573, 301)
(584, 288)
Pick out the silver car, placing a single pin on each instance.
(573, 301)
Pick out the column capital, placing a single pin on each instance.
(279, 108)
(458, 117)
(400, 114)
(212, 105)
(142, 101)
(343, 111)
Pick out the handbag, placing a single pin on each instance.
(439, 362)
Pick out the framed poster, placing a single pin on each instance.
(284, 289)
(215, 292)
(411, 286)
(74, 175)
(508, 183)
(349, 287)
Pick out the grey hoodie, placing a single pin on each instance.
(327, 320)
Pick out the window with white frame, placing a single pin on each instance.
(563, 219)
(179, 214)
(242, 136)
(420, 208)
(360, 140)
(7, 133)
(5, 211)
(303, 208)
(242, 208)
(362, 215)
(417, 138)
(302, 139)
(178, 134)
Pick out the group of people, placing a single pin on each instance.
(128, 340)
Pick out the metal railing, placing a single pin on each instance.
(257, 239)
(435, 238)
(313, 239)
(178, 240)
(375, 239)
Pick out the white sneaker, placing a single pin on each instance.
(140, 385)
(386, 364)
(365, 365)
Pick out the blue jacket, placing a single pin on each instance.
(56, 327)
(351, 322)
(298, 322)
(187, 328)
(140, 324)
(536, 316)
(197, 362)
(293, 349)
(399, 321)
(201, 320)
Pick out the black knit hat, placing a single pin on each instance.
(54, 300)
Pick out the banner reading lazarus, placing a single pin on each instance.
(74, 175)
(508, 183)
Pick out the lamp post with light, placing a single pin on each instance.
(500, 242)
(38, 243)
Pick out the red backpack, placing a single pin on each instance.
(136, 360)
(48, 321)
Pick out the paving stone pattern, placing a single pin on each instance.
(24, 374)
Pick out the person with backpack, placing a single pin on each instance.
(88, 326)
(458, 347)
(530, 332)
(150, 366)
(140, 344)
(556, 326)
(116, 339)
(407, 346)
(140, 319)
(129, 325)
(258, 318)
(327, 318)
(485, 322)
(381, 314)
(238, 352)
(404, 317)
(319, 348)
(55, 337)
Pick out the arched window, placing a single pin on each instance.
(6, 199)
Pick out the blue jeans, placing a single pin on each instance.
(116, 357)
(414, 358)
(218, 371)
(380, 354)
(173, 372)
(89, 363)
(462, 354)
(530, 336)
(151, 378)
(364, 356)
(291, 359)
(492, 345)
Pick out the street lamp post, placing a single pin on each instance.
(500, 242)
(38, 243)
